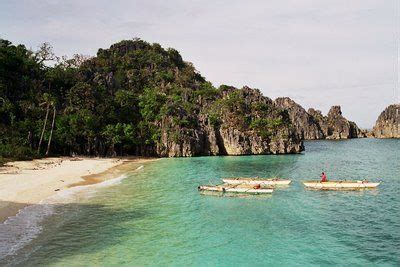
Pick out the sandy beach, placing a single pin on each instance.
(24, 183)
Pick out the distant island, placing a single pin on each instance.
(137, 98)
(388, 123)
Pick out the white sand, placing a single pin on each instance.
(28, 182)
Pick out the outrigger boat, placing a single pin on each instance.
(226, 188)
(256, 181)
(340, 185)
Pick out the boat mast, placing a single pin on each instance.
(397, 86)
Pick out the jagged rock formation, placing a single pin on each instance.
(335, 126)
(305, 124)
(314, 125)
(388, 123)
(236, 122)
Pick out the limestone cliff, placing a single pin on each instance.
(388, 123)
(305, 124)
(338, 127)
(312, 124)
(236, 122)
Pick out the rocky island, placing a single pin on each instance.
(231, 122)
(388, 123)
(312, 124)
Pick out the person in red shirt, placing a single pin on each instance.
(323, 177)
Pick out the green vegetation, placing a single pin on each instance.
(231, 107)
(110, 104)
(265, 127)
(119, 102)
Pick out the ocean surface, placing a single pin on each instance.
(154, 215)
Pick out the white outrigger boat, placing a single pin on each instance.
(340, 185)
(257, 181)
(225, 188)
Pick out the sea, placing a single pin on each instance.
(153, 215)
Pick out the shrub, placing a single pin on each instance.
(265, 126)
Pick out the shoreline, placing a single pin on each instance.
(25, 183)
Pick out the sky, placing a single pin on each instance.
(319, 53)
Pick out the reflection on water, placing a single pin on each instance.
(157, 216)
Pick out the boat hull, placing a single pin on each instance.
(251, 181)
(340, 185)
(227, 189)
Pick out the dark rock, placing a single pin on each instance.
(336, 127)
(388, 123)
(304, 122)
(314, 125)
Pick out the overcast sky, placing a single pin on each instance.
(319, 53)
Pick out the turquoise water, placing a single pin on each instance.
(157, 217)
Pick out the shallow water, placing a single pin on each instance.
(156, 216)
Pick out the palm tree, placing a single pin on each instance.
(47, 103)
(52, 127)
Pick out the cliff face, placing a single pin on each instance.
(338, 127)
(312, 124)
(236, 122)
(388, 123)
(306, 125)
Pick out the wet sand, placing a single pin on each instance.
(25, 183)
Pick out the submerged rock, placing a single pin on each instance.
(388, 123)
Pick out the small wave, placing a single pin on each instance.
(109, 182)
(19, 230)
(139, 168)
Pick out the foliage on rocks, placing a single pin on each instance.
(134, 98)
